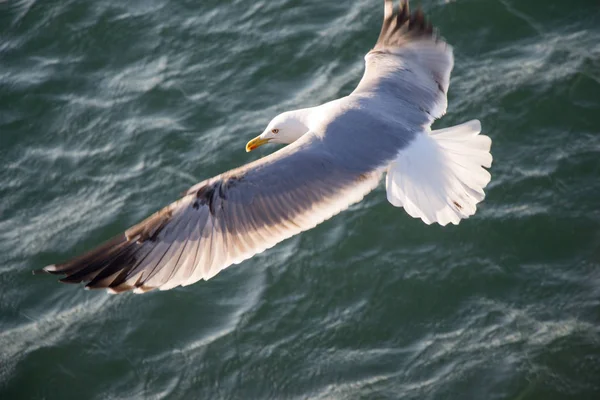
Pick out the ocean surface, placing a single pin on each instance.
(109, 109)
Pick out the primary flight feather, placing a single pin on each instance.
(337, 153)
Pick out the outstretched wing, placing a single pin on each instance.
(225, 220)
(409, 66)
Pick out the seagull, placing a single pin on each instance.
(336, 153)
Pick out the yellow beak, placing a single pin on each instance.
(256, 142)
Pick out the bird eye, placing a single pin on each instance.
(275, 130)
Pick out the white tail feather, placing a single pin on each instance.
(440, 177)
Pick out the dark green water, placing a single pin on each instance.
(103, 104)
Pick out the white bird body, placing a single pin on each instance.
(336, 155)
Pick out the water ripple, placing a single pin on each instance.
(109, 110)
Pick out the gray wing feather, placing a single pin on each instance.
(226, 220)
(409, 66)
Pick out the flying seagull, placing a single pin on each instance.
(337, 153)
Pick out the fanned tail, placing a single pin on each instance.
(440, 176)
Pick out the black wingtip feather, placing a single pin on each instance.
(111, 264)
(400, 26)
(109, 259)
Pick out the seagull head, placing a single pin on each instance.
(285, 128)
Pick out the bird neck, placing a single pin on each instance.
(299, 123)
(302, 116)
